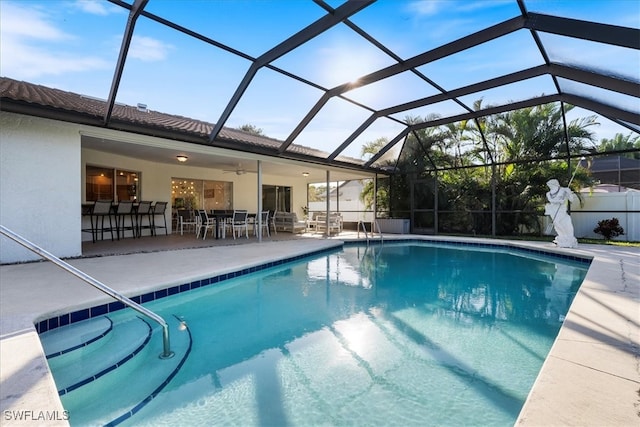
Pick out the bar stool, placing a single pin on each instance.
(101, 210)
(144, 212)
(158, 209)
(124, 210)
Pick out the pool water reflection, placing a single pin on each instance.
(402, 334)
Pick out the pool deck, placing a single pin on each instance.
(590, 378)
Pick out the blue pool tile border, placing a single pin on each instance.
(87, 313)
(100, 310)
(503, 246)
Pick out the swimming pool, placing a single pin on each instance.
(402, 334)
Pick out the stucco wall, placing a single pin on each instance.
(42, 184)
(39, 186)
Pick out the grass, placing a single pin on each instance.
(609, 242)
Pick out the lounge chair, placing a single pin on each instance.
(288, 221)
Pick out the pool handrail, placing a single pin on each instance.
(166, 353)
(374, 226)
(364, 229)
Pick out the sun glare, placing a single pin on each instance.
(347, 67)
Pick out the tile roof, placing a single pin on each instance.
(43, 101)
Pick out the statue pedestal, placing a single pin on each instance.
(566, 242)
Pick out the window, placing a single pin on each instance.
(111, 184)
(189, 193)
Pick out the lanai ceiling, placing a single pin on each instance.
(525, 55)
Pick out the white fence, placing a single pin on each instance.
(612, 205)
(351, 210)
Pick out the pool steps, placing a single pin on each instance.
(88, 363)
(71, 319)
(105, 356)
(58, 342)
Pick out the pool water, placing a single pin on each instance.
(398, 334)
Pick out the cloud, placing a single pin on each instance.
(482, 5)
(31, 23)
(92, 6)
(425, 8)
(433, 7)
(32, 47)
(23, 61)
(148, 49)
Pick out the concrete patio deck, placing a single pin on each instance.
(590, 378)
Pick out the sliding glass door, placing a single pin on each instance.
(276, 198)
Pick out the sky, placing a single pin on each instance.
(74, 44)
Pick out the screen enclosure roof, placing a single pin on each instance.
(320, 80)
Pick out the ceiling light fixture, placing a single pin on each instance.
(305, 174)
(182, 159)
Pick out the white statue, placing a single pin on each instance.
(557, 210)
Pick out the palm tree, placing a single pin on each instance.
(518, 140)
(366, 195)
(622, 142)
(532, 133)
(464, 138)
(538, 132)
(371, 148)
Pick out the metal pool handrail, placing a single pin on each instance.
(364, 229)
(377, 227)
(166, 353)
(374, 226)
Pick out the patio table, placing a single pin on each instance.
(219, 216)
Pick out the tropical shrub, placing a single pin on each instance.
(609, 228)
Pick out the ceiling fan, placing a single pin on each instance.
(239, 170)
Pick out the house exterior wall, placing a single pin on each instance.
(40, 191)
(42, 184)
(156, 181)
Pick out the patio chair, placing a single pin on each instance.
(265, 223)
(188, 219)
(204, 223)
(334, 224)
(240, 222)
(272, 222)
